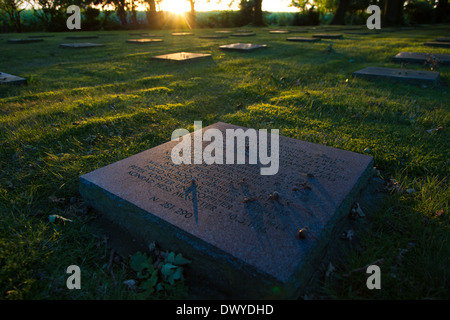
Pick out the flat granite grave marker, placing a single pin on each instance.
(437, 44)
(419, 57)
(28, 40)
(6, 78)
(214, 36)
(279, 31)
(42, 36)
(242, 46)
(80, 45)
(328, 36)
(182, 57)
(398, 74)
(239, 228)
(182, 34)
(143, 41)
(81, 37)
(243, 34)
(303, 39)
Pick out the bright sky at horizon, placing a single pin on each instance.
(211, 5)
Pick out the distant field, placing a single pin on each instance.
(85, 108)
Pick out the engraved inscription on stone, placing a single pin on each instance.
(248, 216)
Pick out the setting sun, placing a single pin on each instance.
(176, 6)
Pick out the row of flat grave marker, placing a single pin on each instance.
(27, 40)
(398, 74)
(240, 229)
(6, 78)
(144, 41)
(80, 45)
(423, 58)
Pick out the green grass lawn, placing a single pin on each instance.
(85, 108)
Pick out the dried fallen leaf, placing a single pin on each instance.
(54, 198)
(330, 270)
(347, 235)
(431, 131)
(54, 218)
(393, 184)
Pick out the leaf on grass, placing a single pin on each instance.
(140, 261)
(54, 218)
(131, 284)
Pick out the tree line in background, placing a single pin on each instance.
(50, 15)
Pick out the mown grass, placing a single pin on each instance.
(86, 108)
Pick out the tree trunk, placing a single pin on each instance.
(192, 14)
(257, 13)
(339, 17)
(152, 15)
(393, 12)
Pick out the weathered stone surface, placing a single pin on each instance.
(182, 57)
(81, 37)
(328, 36)
(243, 34)
(303, 39)
(214, 36)
(419, 57)
(6, 78)
(144, 41)
(239, 228)
(437, 44)
(279, 31)
(399, 74)
(42, 36)
(80, 45)
(28, 40)
(242, 46)
(182, 34)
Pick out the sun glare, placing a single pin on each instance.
(177, 6)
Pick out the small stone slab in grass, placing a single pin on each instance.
(81, 45)
(81, 37)
(242, 46)
(143, 41)
(328, 36)
(438, 44)
(443, 39)
(182, 34)
(213, 36)
(279, 31)
(420, 57)
(42, 36)
(303, 39)
(6, 78)
(182, 57)
(243, 34)
(28, 40)
(398, 74)
(146, 35)
(223, 31)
